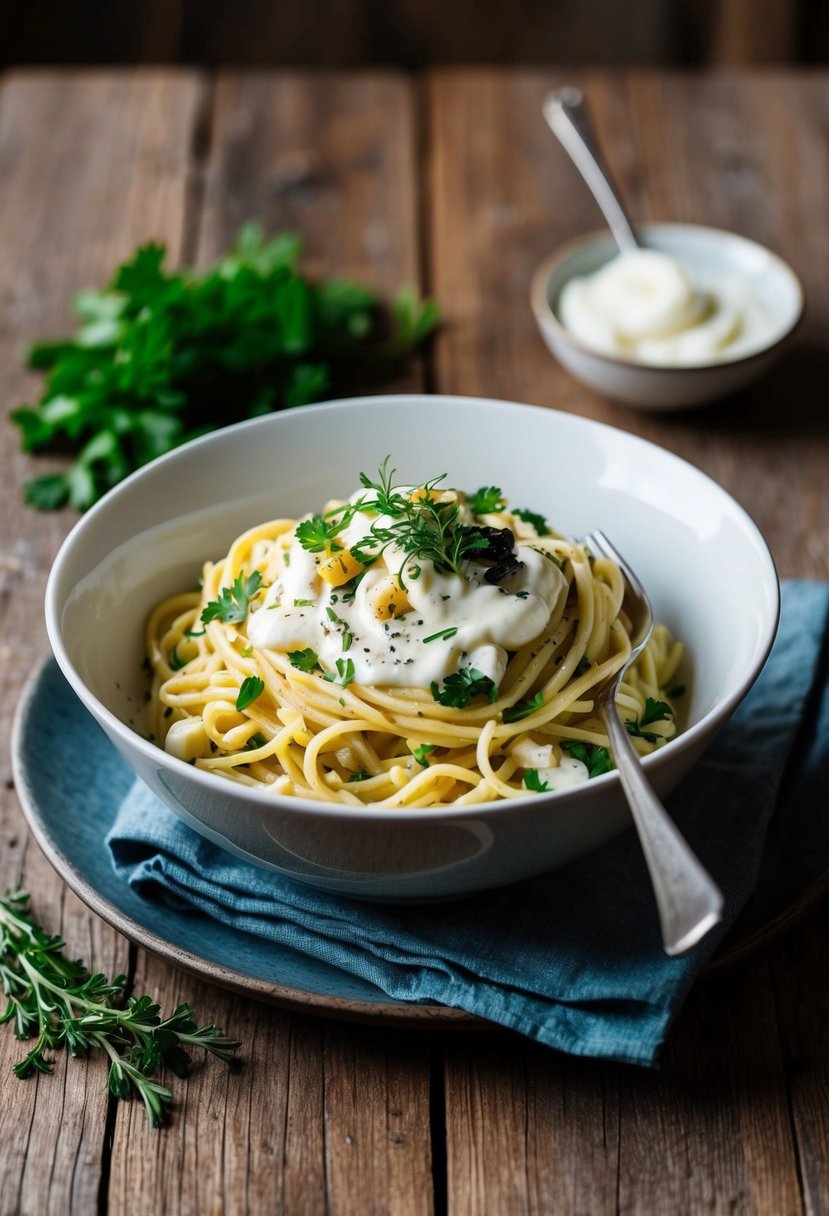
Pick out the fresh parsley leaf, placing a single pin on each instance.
(524, 708)
(360, 775)
(252, 687)
(233, 603)
(536, 521)
(421, 753)
(460, 687)
(487, 500)
(160, 355)
(533, 782)
(655, 711)
(344, 673)
(316, 535)
(255, 741)
(303, 660)
(175, 660)
(596, 758)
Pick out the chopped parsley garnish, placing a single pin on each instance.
(360, 775)
(460, 687)
(252, 687)
(536, 521)
(317, 535)
(255, 741)
(195, 633)
(524, 708)
(232, 604)
(655, 711)
(303, 660)
(344, 673)
(595, 758)
(421, 753)
(487, 500)
(303, 603)
(442, 635)
(533, 782)
(175, 660)
(582, 666)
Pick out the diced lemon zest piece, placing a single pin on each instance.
(339, 568)
(389, 600)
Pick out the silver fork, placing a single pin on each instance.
(687, 898)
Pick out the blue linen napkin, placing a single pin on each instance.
(572, 958)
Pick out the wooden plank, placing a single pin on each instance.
(318, 1117)
(330, 156)
(800, 964)
(88, 171)
(723, 150)
(712, 1133)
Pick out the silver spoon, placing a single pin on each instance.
(687, 898)
(566, 112)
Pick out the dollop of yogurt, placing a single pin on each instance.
(446, 622)
(647, 306)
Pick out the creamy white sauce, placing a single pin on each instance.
(569, 772)
(647, 306)
(488, 620)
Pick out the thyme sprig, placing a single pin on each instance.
(57, 1002)
(425, 525)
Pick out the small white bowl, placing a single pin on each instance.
(702, 250)
(703, 561)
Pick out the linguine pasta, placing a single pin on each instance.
(349, 716)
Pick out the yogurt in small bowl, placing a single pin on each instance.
(693, 315)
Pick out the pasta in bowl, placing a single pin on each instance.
(356, 810)
(413, 646)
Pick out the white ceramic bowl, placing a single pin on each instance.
(705, 252)
(703, 561)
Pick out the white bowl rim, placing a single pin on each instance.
(544, 311)
(207, 780)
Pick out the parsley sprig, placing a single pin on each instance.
(58, 1003)
(160, 356)
(655, 711)
(233, 602)
(460, 687)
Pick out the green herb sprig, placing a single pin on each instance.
(655, 711)
(233, 602)
(60, 1004)
(160, 356)
(460, 687)
(425, 528)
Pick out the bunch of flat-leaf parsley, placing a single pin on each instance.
(58, 1003)
(161, 356)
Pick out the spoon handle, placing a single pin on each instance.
(687, 898)
(566, 112)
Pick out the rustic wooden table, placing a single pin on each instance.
(452, 181)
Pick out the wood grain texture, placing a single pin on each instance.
(327, 1117)
(711, 1132)
(317, 1118)
(88, 171)
(726, 151)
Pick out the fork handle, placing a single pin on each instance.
(687, 898)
